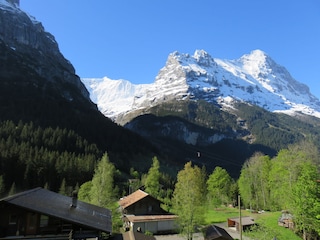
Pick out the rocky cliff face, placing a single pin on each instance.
(22, 34)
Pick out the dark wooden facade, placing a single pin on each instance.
(40, 213)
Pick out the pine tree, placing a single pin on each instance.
(152, 182)
(103, 192)
(63, 187)
(12, 190)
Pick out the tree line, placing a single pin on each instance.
(287, 181)
(32, 156)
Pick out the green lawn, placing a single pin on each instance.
(268, 223)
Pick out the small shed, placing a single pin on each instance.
(39, 213)
(214, 232)
(286, 220)
(246, 223)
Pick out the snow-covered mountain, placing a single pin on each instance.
(253, 78)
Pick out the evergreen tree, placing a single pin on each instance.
(12, 190)
(188, 199)
(63, 187)
(152, 181)
(103, 192)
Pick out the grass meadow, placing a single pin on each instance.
(267, 223)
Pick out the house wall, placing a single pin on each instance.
(12, 221)
(16, 221)
(155, 226)
(145, 206)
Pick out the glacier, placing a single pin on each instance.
(254, 78)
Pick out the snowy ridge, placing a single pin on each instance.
(5, 5)
(254, 78)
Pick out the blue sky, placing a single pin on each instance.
(131, 39)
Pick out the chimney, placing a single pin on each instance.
(74, 199)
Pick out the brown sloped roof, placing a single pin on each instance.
(56, 205)
(215, 232)
(132, 198)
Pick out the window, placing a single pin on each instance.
(13, 219)
(44, 221)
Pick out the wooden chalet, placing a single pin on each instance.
(214, 232)
(142, 212)
(43, 214)
(246, 223)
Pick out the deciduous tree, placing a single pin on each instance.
(306, 201)
(219, 186)
(189, 198)
(253, 182)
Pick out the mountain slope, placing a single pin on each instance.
(38, 85)
(225, 110)
(254, 78)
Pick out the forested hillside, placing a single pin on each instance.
(203, 133)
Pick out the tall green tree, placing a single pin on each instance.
(306, 202)
(188, 199)
(103, 192)
(219, 186)
(285, 170)
(152, 181)
(13, 189)
(254, 182)
(84, 192)
(63, 187)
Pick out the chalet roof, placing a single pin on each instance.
(56, 205)
(215, 232)
(132, 198)
(245, 221)
(150, 218)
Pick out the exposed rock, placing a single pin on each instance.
(23, 34)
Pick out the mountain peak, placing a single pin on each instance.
(10, 3)
(254, 78)
(255, 56)
(203, 58)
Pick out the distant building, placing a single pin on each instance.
(246, 223)
(40, 213)
(143, 212)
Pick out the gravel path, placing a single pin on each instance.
(198, 236)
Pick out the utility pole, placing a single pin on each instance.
(240, 218)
